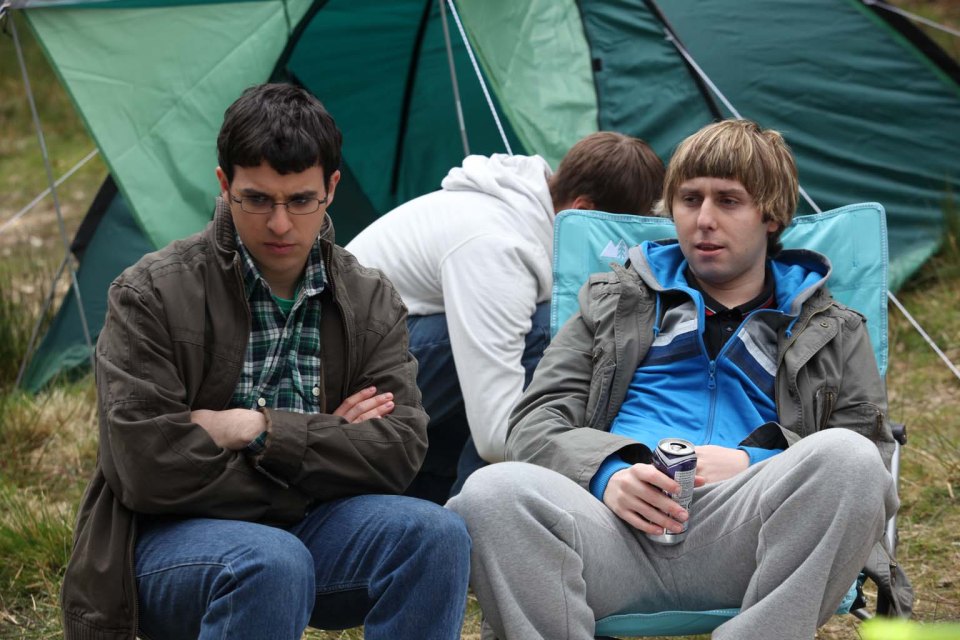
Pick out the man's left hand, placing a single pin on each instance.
(365, 405)
(720, 463)
(231, 429)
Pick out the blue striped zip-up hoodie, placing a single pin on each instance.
(677, 390)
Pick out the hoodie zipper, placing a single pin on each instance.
(712, 371)
(712, 386)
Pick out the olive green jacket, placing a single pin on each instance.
(827, 377)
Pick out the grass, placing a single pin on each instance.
(49, 443)
(14, 330)
(923, 395)
(49, 440)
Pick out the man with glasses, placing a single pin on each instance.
(258, 406)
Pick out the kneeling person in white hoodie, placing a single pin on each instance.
(473, 263)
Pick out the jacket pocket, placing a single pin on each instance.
(824, 401)
(600, 385)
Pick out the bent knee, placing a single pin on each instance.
(428, 524)
(277, 561)
(843, 458)
(493, 492)
(492, 484)
(447, 528)
(849, 450)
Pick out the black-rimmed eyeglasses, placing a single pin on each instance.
(261, 205)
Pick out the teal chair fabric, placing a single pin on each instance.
(854, 239)
(682, 623)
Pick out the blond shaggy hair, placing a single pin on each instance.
(740, 150)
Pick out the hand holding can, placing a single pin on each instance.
(677, 459)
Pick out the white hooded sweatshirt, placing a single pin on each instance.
(480, 251)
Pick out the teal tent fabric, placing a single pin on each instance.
(643, 85)
(851, 94)
(854, 239)
(869, 105)
(389, 89)
(152, 83)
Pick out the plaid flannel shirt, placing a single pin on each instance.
(281, 367)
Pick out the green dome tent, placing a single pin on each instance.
(869, 105)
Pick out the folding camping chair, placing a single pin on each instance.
(854, 238)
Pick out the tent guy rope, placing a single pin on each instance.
(19, 214)
(476, 69)
(911, 16)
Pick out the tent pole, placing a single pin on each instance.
(53, 190)
(453, 79)
(476, 69)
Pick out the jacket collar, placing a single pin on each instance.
(799, 273)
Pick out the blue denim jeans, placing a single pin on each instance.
(451, 454)
(397, 565)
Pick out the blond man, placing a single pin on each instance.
(718, 338)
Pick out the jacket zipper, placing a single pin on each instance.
(712, 386)
(133, 582)
(712, 378)
(829, 400)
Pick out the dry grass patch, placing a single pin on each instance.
(49, 442)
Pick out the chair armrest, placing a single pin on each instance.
(899, 432)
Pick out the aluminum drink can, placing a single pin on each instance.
(676, 458)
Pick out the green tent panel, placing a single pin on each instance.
(390, 90)
(642, 83)
(152, 85)
(538, 60)
(870, 106)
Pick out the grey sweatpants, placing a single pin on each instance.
(783, 540)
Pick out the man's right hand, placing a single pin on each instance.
(365, 404)
(636, 495)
